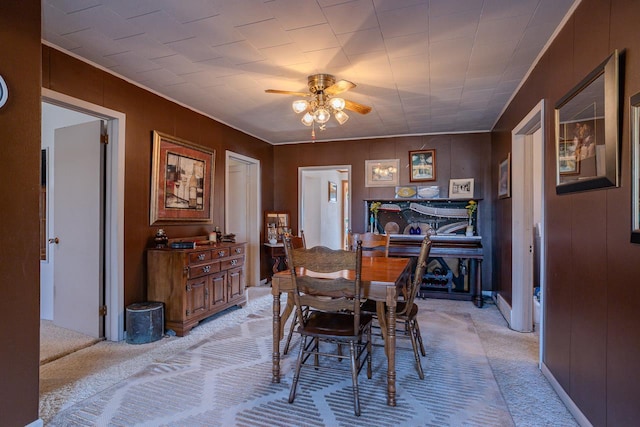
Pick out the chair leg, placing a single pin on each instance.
(296, 374)
(294, 322)
(419, 337)
(412, 324)
(354, 378)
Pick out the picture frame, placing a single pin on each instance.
(182, 175)
(461, 188)
(382, 173)
(587, 131)
(406, 192)
(428, 192)
(635, 167)
(504, 178)
(422, 165)
(333, 192)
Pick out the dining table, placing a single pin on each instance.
(383, 279)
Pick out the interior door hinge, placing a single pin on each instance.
(102, 310)
(104, 138)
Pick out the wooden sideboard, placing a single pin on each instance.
(196, 283)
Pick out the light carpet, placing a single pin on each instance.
(225, 380)
(57, 342)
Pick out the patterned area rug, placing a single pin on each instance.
(225, 380)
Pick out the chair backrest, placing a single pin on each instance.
(313, 289)
(372, 244)
(421, 266)
(298, 241)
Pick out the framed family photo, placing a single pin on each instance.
(422, 164)
(461, 188)
(382, 173)
(181, 181)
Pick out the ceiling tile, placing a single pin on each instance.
(401, 22)
(351, 17)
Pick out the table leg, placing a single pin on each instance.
(391, 344)
(288, 309)
(276, 339)
(477, 270)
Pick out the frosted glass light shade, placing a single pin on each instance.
(322, 115)
(341, 117)
(337, 103)
(307, 119)
(299, 106)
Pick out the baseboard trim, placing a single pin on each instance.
(571, 406)
(504, 307)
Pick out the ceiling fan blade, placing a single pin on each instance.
(339, 87)
(287, 92)
(358, 108)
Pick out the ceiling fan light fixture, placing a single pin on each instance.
(307, 119)
(337, 103)
(299, 106)
(322, 115)
(341, 117)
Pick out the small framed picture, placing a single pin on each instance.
(504, 178)
(406, 192)
(381, 173)
(423, 165)
(461, 188)
(333, 192)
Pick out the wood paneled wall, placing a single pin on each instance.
(457, 156)
(19, 217)
(592, 327)
(146, 112)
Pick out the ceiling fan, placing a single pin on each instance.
(323, 89)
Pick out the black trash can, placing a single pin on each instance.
(145, 322)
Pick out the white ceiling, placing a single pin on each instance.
(425, 66)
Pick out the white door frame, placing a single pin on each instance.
(521, 313)
(301, 170)
(254, 208)
(114, 206)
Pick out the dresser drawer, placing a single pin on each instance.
(199, 257)
(220, 253)
(204, 269)
(236, 250)
(232, 262)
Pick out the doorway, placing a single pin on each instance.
(243, 207)
(324, 219)
(528, 238)
(60, 111)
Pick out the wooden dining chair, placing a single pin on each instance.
(372, 244)
(334, 311)
(407, 309)
(297, 242)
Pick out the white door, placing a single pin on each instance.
(78, 216)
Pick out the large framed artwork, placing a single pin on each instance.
(422, 164)
(587, 131)
(381, 173)
(181, 181)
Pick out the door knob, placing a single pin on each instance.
(54, 240)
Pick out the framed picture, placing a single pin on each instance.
(381, 173)
(181, 181)
(333, 192)
(423, 165)
(504, 178)
(461, 188)
(588, 132)
(406, 192)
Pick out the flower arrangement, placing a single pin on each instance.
(375, 206)
(471, 208)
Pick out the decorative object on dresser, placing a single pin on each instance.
(181, 181)
(197, 282)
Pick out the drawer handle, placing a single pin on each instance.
(201, 257)
(220, 253)
(206, 268)
(234, 261)
(238, 250)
